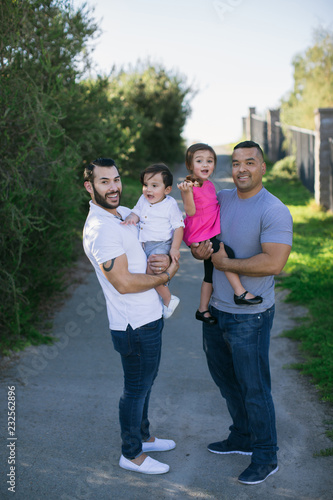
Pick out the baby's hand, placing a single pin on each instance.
(175, 255)
(130, 219)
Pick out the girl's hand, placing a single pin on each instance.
(185, 186)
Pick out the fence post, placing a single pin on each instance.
(324, 130)
(273, 135)
(252, 111)
(244, 128)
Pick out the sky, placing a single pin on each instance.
(236, 53)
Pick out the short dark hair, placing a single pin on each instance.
(200, 146)
(250, 144)
(158, 168)
(88, 173)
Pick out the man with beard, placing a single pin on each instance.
(133, 307)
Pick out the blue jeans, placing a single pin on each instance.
(140, 352)
(237, 354)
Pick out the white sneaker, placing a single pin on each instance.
(158, 445)
(148, 466)
(168, 311)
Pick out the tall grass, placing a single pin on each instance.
(309, 275)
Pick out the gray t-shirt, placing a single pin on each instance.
(245, 224)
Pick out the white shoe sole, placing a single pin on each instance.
(261, 480)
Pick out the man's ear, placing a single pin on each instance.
(263, 168)
(88, 186)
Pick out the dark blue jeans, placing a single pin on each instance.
(140, 352)
(237, 355)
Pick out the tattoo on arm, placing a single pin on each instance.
(107, 269)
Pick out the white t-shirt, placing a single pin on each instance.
(104, 238)
(159, 220)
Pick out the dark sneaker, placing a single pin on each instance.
(225, 448)
(257, 473)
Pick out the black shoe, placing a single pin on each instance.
(225, 448)
(201, 317)
(257, 473)
(240, 300)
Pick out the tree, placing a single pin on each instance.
(41, 43)
(52, 122)
(313, 82)
(161, 102)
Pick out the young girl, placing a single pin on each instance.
(202, 222)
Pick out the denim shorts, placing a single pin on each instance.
(157, 247)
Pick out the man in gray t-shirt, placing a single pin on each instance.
(258, 227)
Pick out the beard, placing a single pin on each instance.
(101, 200)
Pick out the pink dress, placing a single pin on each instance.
(205, 223)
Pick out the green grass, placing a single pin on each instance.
(324, 453)
(308, 275)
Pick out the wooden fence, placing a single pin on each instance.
(313, 149)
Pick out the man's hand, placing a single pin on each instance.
(203, 250)
(159, 263)
(220, 259)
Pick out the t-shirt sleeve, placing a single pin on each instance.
(107, 245)
(176, 217)
(277, 225)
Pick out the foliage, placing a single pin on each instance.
(40, 44)
(309, 278)
(52, 123)
(161, 100)
(285, 168)
(328, 452)
(313, 82)
(100, 125)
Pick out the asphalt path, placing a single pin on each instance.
(67, 444)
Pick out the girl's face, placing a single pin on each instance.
(153, 188)
(203, 164)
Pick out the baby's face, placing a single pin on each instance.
(153, 188)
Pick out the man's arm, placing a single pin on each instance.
(270, 262)
(117, 273)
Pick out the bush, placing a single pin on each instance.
(52, 123)
(285, 168)
(160, 101)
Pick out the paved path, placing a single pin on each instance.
(68, 442)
